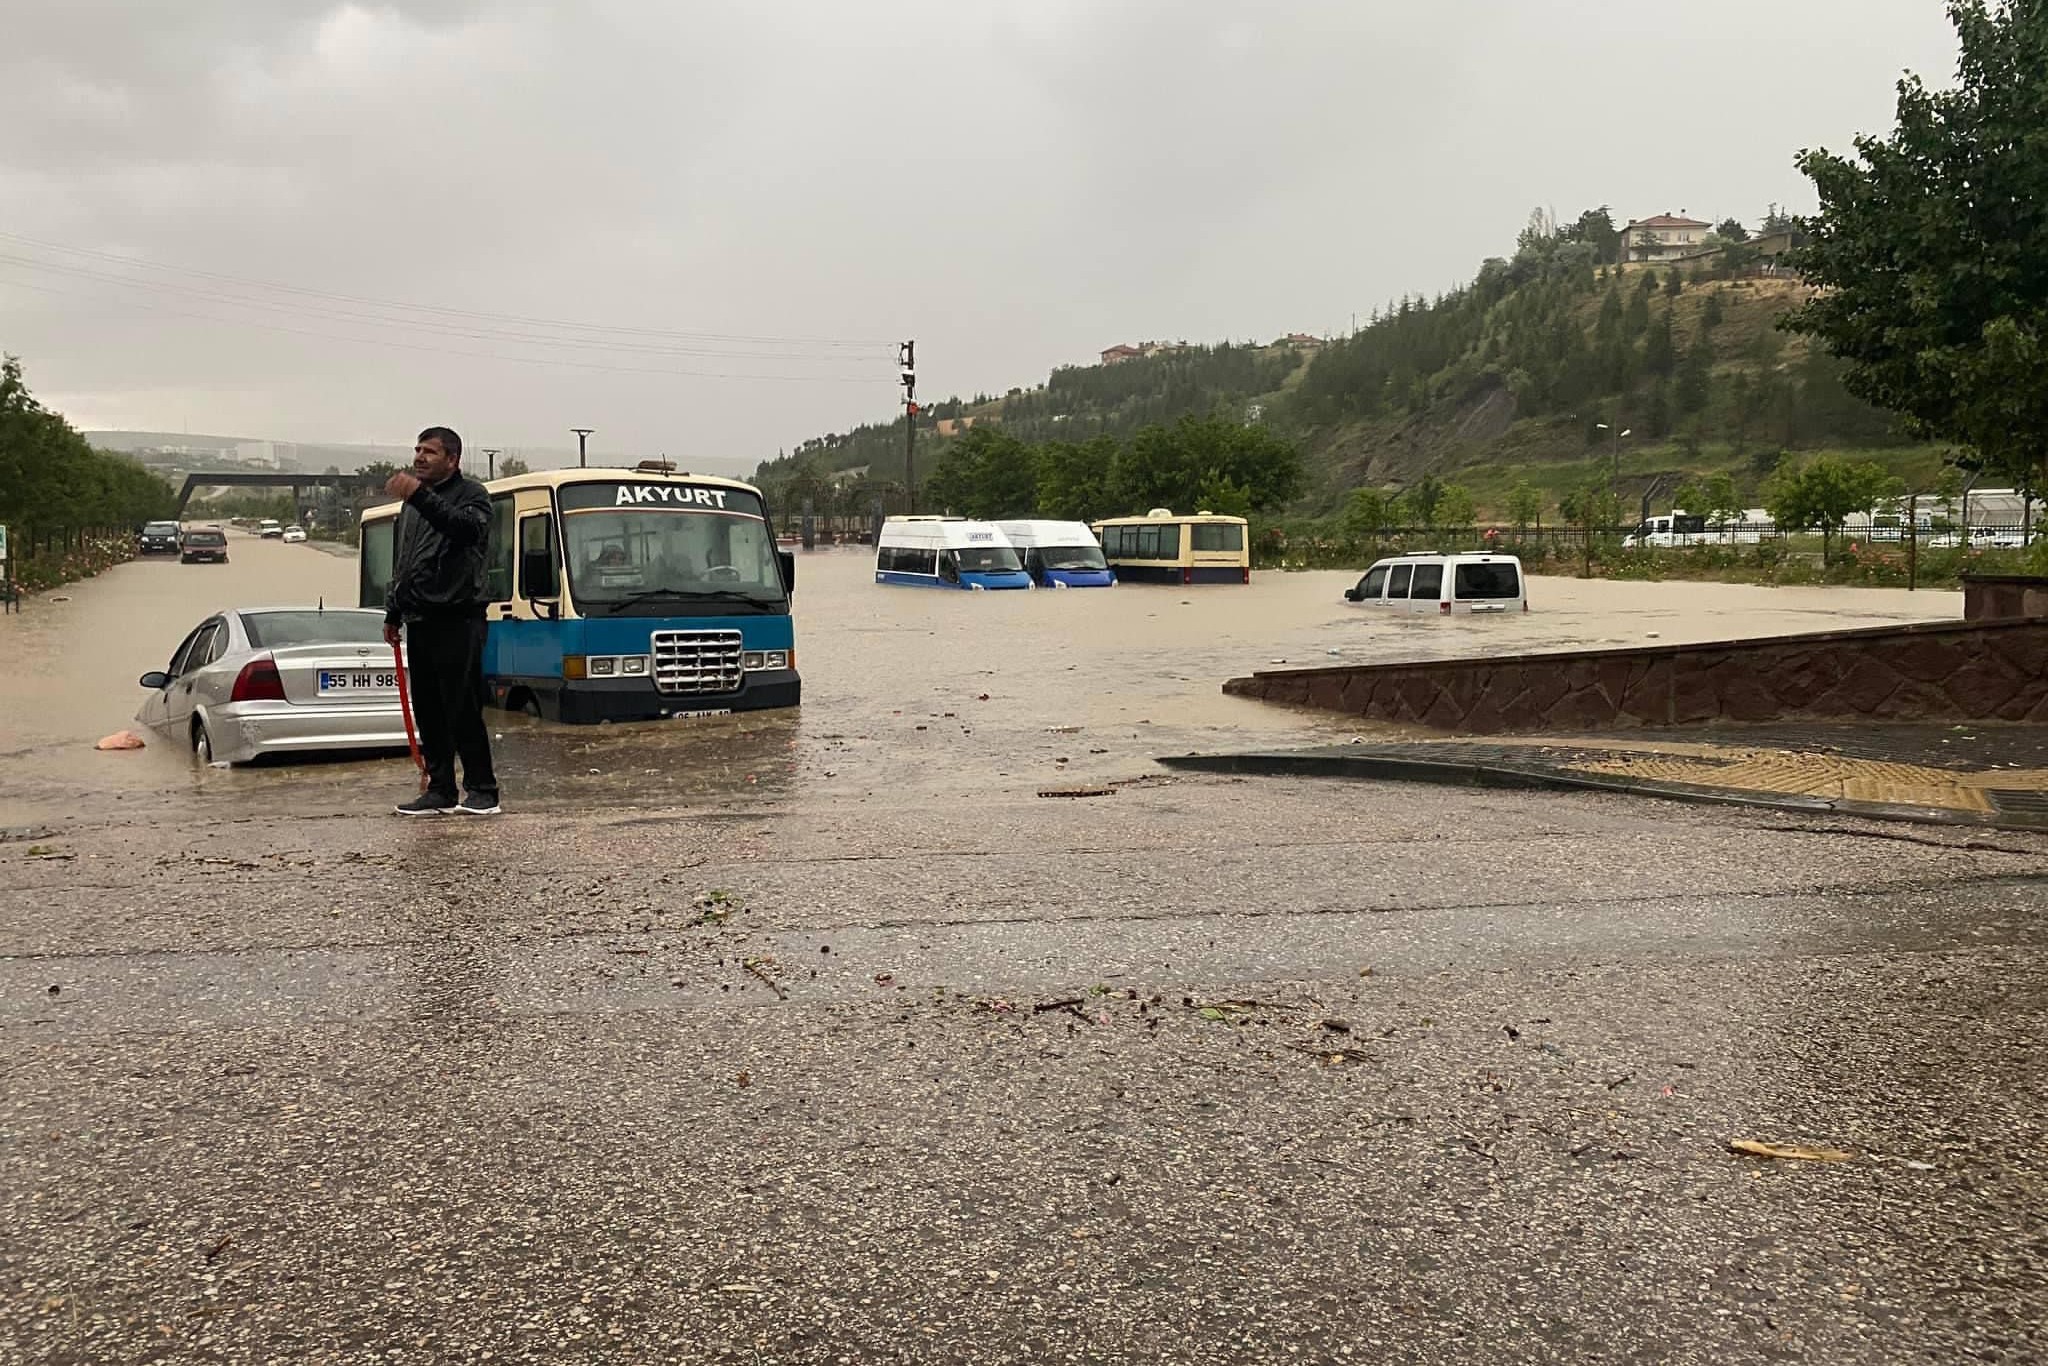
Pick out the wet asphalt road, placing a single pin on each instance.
(863, 1061)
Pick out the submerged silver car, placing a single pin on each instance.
(279, 680)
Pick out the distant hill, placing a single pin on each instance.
(1504, 380)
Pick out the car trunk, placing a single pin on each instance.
(337, 675)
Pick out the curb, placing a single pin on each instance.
(1325, 763)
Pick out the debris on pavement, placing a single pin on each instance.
(121, 739)
(1791, 1151)
(1077, 792)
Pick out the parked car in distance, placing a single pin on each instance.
(208, 544)
(1443, 584)
(294, 534)
(270, 528)
(157, 538)
(259, 681)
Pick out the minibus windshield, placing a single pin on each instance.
(1072, 557)
(987, 559)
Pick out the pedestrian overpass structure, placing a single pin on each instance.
(248, 479)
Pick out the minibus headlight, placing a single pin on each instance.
(633, 664)
(753, 659)
(777, 659)
(603, 666)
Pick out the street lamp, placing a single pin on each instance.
(1614, 479)
(582, 435)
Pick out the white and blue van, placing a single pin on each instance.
(947, 552)
(1059, 554)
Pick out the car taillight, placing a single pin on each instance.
(258, 681)
(1444, 607)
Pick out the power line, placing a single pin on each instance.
(140, 263)
(387, 343)
(477, 332)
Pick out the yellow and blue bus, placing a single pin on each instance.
(1162, 548)
(625, 595)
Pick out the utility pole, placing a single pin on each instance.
(582, 435)
(906, 357)
(491, 470)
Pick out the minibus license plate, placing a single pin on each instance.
(345, 680)
(688, 715)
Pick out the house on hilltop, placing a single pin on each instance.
(1664, 238)
(1118, 354)
(1300, 341)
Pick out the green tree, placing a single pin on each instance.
(1073, 479)
(1731, 230)
(512, 465)
(1720, 500)
(1171, 466)
(1660, 349)
(1423, 497)
(1525, 506)
(1932, 250)
(1636, 320)
(986, 473)
(52, 480)
(1674, 283)
(1455, 510)
(1714, 313)
(1696, 374)
(1367, 513)
(1823, 493)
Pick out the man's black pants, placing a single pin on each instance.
(446, 666)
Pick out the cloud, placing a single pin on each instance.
(1015, 185)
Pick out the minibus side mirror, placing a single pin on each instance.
(786, 561)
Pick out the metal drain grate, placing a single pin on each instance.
(2019, 802)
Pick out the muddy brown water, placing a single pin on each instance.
(908, 693)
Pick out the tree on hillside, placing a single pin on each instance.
(1731, 230)
(1931, 249)
(1525, 507)
(1660, 349)
(1776, 220)
(1674, 283)
(1823, 493)
(1636, 320)
(1171, 466)
(1595, 228)
(1455, 510)
(1696, 374)
(512, 464)
(1715, 312)
(1073, 479)
(1423, 497)
(986, 473)
(1367, 513)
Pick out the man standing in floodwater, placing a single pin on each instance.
(437, 598)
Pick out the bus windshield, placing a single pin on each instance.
(1072, 557)
(643, 560)
(987, 559)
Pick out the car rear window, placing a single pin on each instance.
(1488, 581)
(275, 630)
(160, 529)
(205, 538)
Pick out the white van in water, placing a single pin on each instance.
(1444, 584)
(947, 552)
(1059, 554)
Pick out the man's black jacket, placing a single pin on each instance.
(443, 542)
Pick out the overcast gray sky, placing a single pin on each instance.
(754, 201)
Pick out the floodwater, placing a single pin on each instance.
(906, 691)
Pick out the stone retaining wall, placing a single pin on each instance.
(1938, 671)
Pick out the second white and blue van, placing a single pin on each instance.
(1059, 554)
(947, 552)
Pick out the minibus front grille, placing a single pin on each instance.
(697, 661)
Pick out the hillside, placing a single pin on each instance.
(1505, 380)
